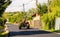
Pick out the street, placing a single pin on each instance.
(15, 32)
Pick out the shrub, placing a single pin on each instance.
(2, 22)
(58, 31)
(49, 20)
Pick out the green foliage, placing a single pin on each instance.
(2, 23)
(3, 6)
(58, 31)
(29, 18)
(32, 10)
(15, 16)
(54, 5)
(49, 20)
(2, 35)
(39, 8)
(42, 9)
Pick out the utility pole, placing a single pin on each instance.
(36, 2)
(23, 7)
(25, 16)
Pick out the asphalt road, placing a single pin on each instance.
(15, 32)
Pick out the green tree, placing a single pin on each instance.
(44, 8)
(54, 12)
(41, 9)
(3, 6)
(32, 10)
(54, 5)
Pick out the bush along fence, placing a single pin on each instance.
(49, 20)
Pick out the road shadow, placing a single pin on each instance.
(28, 33)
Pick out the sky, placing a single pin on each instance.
(16, 5)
